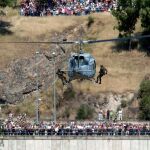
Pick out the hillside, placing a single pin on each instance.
(126, 69)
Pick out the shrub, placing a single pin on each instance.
(11, 3)
(123, 104)
(144, 89)
(145, 108)
(84, 112)
(69, 94)
(90, 21)
(145, 100)
(66, 113)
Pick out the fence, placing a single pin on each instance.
(73, 132)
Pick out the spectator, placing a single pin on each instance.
(108, 114)
(22, 126)
(120, 115)
(111, 115)
(64, 7)
(100, 116)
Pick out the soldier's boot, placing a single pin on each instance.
(100, 80)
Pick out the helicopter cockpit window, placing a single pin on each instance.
(82, 60)
(76, 59)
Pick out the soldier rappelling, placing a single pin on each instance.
(61, 75)
(102, 72)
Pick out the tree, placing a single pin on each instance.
(144, 89)
(145, 15)
(84, 112)
(145, 23)
(145, 100)
(123, 104)
(126, 14)
(11, 3)
(145, 108)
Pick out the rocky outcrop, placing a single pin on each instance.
(107, 100)
(23, 76)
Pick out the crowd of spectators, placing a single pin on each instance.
(65, 7)
(23, 127)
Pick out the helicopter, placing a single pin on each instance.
(82, 65)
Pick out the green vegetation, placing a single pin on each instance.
(145, 100)
(69, 93)
(123, 104)
(145, 22)
(90, 21)
(145, 88)
(127, 14)
(84, 112)
(11, 3)
(145, 15)
(66, 113)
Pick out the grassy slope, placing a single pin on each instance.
(30, 29)
(125, 69)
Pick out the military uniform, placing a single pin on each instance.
(102, 72)
(61, 76)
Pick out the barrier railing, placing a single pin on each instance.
(70, 132)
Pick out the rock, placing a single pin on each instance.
(116, 98)
(97, 105)
(130, 96)
(23, 76)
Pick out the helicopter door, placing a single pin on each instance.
(94, 65)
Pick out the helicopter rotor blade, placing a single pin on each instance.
(77, 42)
(116, 39)
(37, 42)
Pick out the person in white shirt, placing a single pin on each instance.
(120, 114)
